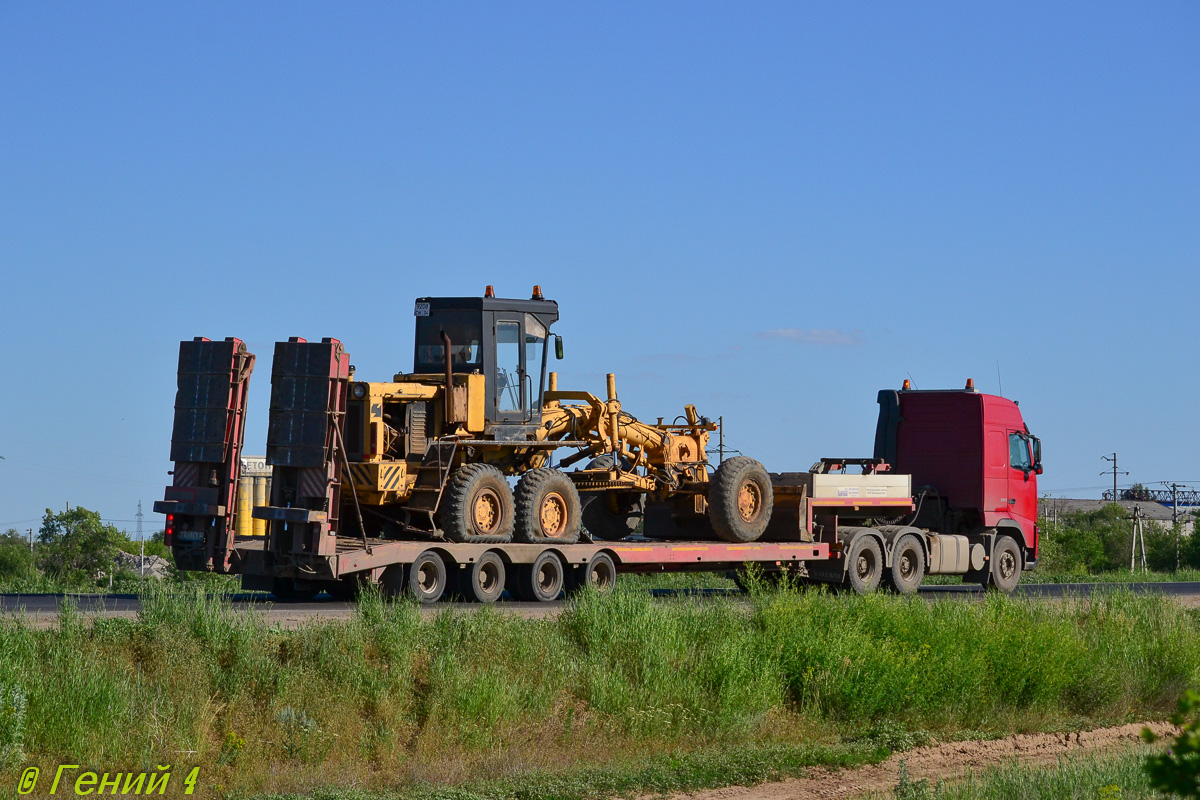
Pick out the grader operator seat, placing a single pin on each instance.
(502, 339)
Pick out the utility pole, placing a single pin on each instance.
(1139, 536)
(31, 540)
(1175, 519)
(1115, 473)
(142, 539)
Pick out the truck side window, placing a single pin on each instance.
(1018, 452)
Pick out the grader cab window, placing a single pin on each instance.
(508, 367)
(465, 329)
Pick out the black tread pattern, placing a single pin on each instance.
(722, 500)
(532, 487)
(453, 516)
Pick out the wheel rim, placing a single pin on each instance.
(547, 578)
(864, 565)
(1008, 565)
(427, 578)
(486, 511)
(601, 576)
(749, 501)
(553, 515)
(489, 576)
(908, 566)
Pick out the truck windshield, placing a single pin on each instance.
(465, 329)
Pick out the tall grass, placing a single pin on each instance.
(392, 699)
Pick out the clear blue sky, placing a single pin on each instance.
(770, 210)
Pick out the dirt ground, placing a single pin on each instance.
(938, 762)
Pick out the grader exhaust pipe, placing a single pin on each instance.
(447, 351)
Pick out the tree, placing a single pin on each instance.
(76, 547)
(16, 562)
(1177, 771)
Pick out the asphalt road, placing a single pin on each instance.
(43, 608)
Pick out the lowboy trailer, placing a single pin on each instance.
(404, 484)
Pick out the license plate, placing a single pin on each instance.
(422, 310)
(189, 536)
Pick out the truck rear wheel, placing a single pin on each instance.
(908, 565)
(539, 582)
(1005, 567)
(427, 578)
(612, 515)
(740, 500)
(477, 506)
(548, 509)
(483, 582)
(864, 564)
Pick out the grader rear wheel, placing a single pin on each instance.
(548, 508)
(740, 500)
(477, 506)
(612, 515)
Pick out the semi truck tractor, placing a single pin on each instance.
(409, 483)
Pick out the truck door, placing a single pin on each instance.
(1022, 481)
(511, 403)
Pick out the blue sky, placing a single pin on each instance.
(770, 210)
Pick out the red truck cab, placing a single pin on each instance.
(974, 464)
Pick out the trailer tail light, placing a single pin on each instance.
(169, 533)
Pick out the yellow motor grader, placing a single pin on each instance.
(429, 453)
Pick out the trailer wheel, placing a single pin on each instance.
(1005, 568)
(740, 500)
(864, 564)
(483, 581)
(477, 506)
(287, 590)
(908, 565)
(539, 582)
(548, 509)
(427, 578)
(600, 573)
(612, 515)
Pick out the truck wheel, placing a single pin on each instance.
(599, 573)
(864, 565)
(477, 506)
(740, 500)
(547, 508)
(612, 515)
(908, 565)
(539, 582)
(483, 582)
(427, 578)
(1005, 568)
(287, 590)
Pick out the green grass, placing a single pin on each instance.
(617, 689)
(1117, 776)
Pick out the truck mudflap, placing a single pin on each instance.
(206, 446)
(309, 382)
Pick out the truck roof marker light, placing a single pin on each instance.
(537, 292)
(907, 385)
(970, 384)
(489, 291)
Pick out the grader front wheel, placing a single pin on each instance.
(740, 500)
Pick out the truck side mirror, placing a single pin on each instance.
(558, 348)
(1037, 468)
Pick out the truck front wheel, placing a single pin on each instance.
(1005, 566)
(740, 500)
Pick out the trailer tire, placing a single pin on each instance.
(908, 565)
(1004, 569)
(864, 564)
(740, 500)
(477, 506)
(548, 508)
(483, 581)
(611, 515)
(426, 578)
(539, 582)
(600, 573)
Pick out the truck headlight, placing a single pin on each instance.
(359, 391)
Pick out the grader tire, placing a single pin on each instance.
(548, 509)
(612, 515)
(740, 500)
(477, 506)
